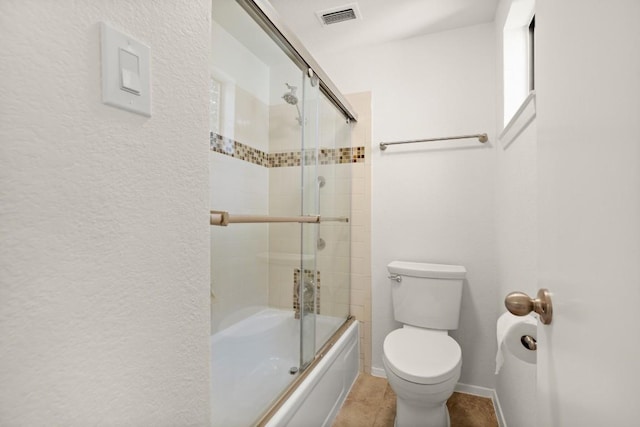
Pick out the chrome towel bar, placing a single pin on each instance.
(482, 137)
(223, 218)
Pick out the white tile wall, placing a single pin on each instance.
(241, 187)
(284, 199)
(285, 134)
(360, 193)
(239, 277)
(251, 120)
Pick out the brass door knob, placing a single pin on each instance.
(521, 304)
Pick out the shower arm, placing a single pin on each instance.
(299, 114)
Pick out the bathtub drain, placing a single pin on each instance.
(293, 370)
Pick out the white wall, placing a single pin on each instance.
(432, 202)
(104, 250)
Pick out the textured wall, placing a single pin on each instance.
(104, 250)
(432, 202)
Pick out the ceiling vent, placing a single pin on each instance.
(347, 12)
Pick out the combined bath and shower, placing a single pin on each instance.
(291, 98)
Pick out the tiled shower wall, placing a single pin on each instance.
(284, 199)
(333, 260)
(285, 163)
(239, 278)
(256, 181)
(361, 226)
(335, 200)
(256, 167)
(284, 239)
(255, 164)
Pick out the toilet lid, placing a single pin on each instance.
(422, 356)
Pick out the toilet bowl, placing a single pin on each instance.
(421, 360)
(423, 367)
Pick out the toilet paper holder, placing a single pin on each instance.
(521, 304)
(529, 342)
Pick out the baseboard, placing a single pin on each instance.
(498, 408)
(378, 372)
(476, 390)
(464, 388)
(484, 392)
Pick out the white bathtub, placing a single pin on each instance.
(250, 364)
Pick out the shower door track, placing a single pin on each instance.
(302, 374)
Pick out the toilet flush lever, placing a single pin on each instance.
(396, 277)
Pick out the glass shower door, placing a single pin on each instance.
(334, 206)
(256, 99)
(279, 290)
(308, 277)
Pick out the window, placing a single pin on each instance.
(214, 106)
(518, 37)
(531, 54)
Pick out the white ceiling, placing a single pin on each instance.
(382, 20)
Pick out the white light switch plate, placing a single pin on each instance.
(114, 91)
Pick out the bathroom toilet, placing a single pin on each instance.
(421, 360)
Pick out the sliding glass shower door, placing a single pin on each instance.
(279, 290)
(309, 292)
(325, 285)
(333, 249)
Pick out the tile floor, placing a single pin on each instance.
(372, 403)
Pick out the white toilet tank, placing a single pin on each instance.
(427, 295)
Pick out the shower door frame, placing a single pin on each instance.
(265, 16)
(309, 206)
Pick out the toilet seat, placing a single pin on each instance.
(422, 356)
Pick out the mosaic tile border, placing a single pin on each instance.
(308, 304)
(326, 156)
(238, 150)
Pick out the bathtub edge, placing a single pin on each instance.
(296, 401)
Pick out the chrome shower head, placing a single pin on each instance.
(290, 97)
